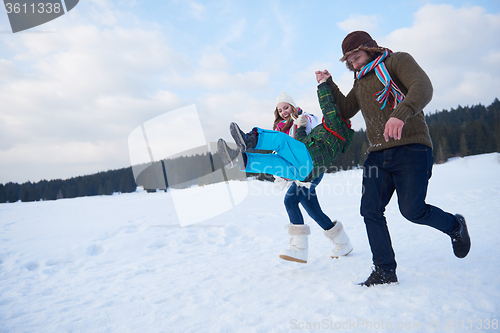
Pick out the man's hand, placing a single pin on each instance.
(393, 129)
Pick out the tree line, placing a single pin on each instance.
(458, 132)
(103, 183)
(465, 131)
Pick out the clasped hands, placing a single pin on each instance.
(322, 76)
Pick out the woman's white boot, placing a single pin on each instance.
(298, 243)
(341, 243)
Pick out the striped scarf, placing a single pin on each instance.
(390, 88)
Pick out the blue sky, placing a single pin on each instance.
(73, 89)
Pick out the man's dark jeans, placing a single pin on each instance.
(407, 170)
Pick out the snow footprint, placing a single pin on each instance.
(32, 266)
(157, 245)
(94, 250)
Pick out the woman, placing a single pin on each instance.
(286, 112)
(305, 159)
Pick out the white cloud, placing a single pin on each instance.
(458, 48)
(85, 86)
(34, 161)
(491, 59)
(216, 80)
(218, 110)
(233, 33)
(215, 60)
(359, 22)
(287, 36)
(190, 9)
(197, 9)
(75, 95)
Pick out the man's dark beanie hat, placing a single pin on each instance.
(359, 40)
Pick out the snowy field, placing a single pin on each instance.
(122, 263)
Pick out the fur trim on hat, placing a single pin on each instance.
(365, 48)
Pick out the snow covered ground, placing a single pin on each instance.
(122, 263)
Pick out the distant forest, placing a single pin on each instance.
(459, 132)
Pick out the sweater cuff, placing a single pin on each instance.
(402, 112)
(332, 84)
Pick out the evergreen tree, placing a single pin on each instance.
(70, 190)
(108, 187)
(3, 194)
(24, 193)
(464, 150)
(13, 196)
(34, 195)
(127, 183)
(439, 156)
(82, 187)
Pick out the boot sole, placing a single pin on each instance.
(378, 284)
(342, 255)
(236, 134)
(463, 253)
(284, 257)
(224, 154)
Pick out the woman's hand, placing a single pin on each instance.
(301, 121)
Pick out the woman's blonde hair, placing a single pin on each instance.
(289, 122)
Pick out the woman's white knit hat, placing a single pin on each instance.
(284, 97)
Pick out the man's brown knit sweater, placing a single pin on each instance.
(412, 81)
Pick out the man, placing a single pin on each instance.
(391, 91)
